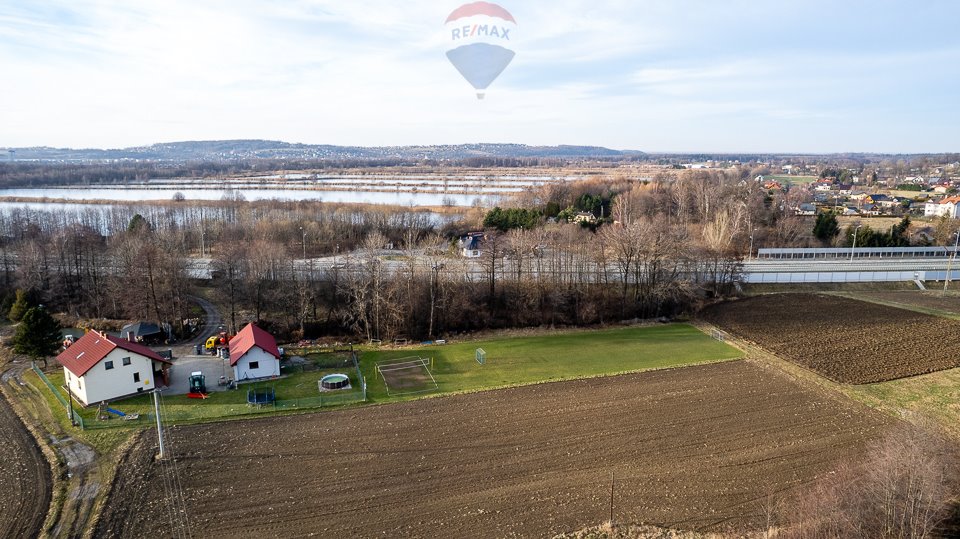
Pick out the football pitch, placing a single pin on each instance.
(512, 361)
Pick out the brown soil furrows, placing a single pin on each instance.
(692, 448)
(24, 476)
(846, 340)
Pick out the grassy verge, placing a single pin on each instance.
(103, 440)
(935, 396)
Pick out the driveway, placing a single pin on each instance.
(211, 325)
(211, 366)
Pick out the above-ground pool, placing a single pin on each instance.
(335, 381)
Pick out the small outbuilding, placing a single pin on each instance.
(99, 367)
(142, 332)
(471, 245)
(254, 354)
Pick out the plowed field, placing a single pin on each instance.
(697, 448)
(846, 340)
(24, 476)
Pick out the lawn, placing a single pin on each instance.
(559, 356)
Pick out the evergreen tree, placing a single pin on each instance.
(20, 306)
(826, 228)
(38, 335)
(138, 224)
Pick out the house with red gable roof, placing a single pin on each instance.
(99, 367)
(254, 354)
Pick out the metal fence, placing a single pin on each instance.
(72, 415)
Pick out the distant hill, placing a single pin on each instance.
(236, 150)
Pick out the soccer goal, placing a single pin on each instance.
(481, 356)
(719, 335)
(407, 375)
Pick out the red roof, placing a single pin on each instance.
(93, 347)
(251, 336)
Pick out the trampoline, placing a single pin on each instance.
(333, 382)
(261, 396)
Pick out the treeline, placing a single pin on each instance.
(141, 262)
(386, 273)
(662, 247)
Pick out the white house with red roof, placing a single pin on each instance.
(254, 354)
(945, 207)
(99, 367)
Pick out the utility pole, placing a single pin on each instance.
(156, 409)
(854, 248)
(303, 241)
(73, 420)
(946, 280)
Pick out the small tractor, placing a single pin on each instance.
(198, 385)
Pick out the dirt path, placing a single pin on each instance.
(25, 476)
(82, 484)
(698, 448)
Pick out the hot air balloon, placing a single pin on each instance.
(481, 37)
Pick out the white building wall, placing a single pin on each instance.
(267, 365)
(76, 385)
(100, 384)
(940, 210)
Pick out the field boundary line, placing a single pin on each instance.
(896, 305)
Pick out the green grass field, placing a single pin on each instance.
(560, 356)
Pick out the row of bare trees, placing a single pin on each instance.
(396, 273)
(907, 487)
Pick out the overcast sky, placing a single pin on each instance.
(653, 75)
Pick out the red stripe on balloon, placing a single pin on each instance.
(481, 8)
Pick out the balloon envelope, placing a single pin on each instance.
(480, 63)
(481, 37)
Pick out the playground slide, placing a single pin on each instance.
(121, 414)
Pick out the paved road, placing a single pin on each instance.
(211, 324)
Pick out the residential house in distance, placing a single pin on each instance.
(471, 245)
(584, 217)
(254, 354)
(99, 368)
(806, 210)
(945, 207)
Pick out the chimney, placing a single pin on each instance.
(130, 336)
